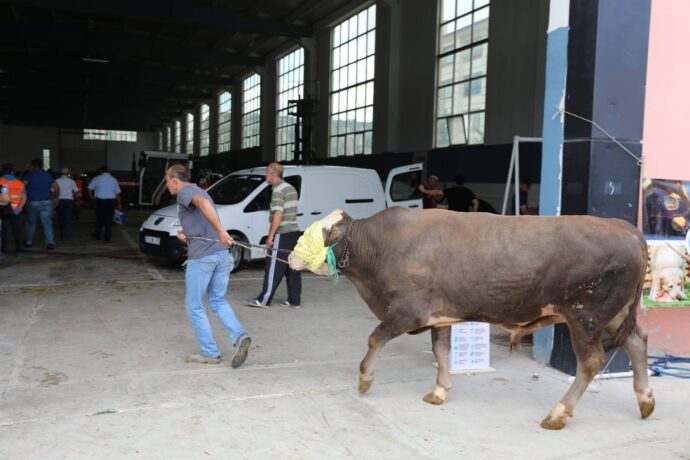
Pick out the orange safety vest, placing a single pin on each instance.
(15, 188)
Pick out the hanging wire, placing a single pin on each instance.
(561, 110)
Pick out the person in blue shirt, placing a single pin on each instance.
(104, 192)
(41, 191)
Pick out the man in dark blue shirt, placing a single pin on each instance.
(525, 184)
(41, 191)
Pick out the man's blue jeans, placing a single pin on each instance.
(39, 210)
(210, 275)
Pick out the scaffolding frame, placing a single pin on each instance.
(515, 167)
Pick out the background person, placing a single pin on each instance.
(208, 268)
(459, 197)
(525, 185)
(283, 234)
(69, 193)
(16, 199)
(41, 191)
(104, 192)
(429, 202)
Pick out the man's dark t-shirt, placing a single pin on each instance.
(459, 198)
(523, 201)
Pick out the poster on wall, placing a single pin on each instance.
(665, 224)
(470, 349)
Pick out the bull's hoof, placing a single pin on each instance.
(646, 402)
(557, 418)
(432, 398)
(437, 397)
(365, 384)
(554, 423)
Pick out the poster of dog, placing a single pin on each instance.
(668, 275)
(666, 225)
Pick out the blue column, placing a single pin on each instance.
(552, 134)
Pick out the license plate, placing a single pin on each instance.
(152, 240)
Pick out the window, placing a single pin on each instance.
(178, 136)
(110, 135)
(234, 189)
(461, 85)
(290, 87)
(168, 138)
(160, 140)
(405, 186)
(189, 134)
(204, 130)
(224, 121)
(251, 111)
(352, 84)
(46, 159)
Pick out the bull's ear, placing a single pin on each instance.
(337, 231)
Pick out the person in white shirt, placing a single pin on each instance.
(69, 192)
(104, 192)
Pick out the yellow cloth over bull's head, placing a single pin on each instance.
(310, 247)
(310, 251)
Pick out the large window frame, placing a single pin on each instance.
(224, 121)
(178, 136)
(168, 138)
(463, 44)
(204, 129)
(189, 133)
(110, 135)
(251, 111)
(290, 87)
(353, 58)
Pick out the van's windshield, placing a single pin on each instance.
(234, 189)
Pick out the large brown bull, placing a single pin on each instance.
(427, 269)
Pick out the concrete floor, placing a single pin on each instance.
(92, 340)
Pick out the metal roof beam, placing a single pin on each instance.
(179, 12)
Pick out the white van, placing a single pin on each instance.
(242, 200)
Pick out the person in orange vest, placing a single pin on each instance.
(10, 211)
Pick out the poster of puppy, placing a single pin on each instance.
(666, 225)
(668, 275)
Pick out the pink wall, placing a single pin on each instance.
(666, 143)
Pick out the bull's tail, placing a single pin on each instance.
(629, 324)
(625, 330)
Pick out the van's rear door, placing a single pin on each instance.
(402, 186)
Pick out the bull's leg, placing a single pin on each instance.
(440, 343)
(636, 347)
(389, 329)
(590, 357)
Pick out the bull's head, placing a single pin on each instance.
(333, 227)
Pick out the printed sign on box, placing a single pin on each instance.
(469, 346)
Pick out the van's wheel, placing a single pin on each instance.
(237, 252)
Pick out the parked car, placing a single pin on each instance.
(243, 197)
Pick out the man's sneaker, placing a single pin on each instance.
(241, 350)
(255, 303)
(201, 359)
(27, 245)
(50, 247)
(288, 304)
